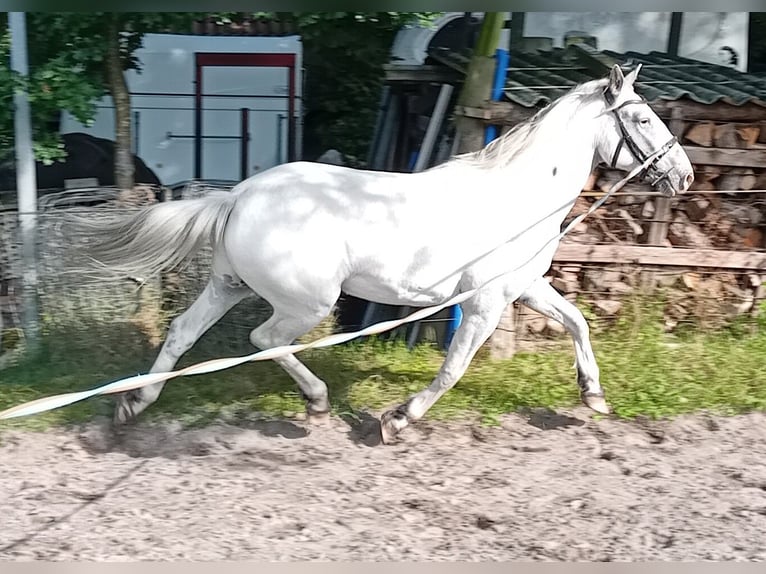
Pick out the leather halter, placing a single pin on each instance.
(631, 144)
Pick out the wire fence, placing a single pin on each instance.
(81, 311)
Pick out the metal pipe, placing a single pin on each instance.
(26, 181)
(434, 125)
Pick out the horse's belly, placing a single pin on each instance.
(401, 289)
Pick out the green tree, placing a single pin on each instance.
(58, 80)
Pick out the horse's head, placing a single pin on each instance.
(632, 133)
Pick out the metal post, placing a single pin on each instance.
(26, 182)
(385, 96)
(675, 33)
(434, 125)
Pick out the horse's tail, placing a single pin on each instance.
(158, 237)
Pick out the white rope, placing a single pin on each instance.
(138, 381)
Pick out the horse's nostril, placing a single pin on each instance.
(688, 180)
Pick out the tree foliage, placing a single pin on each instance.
(67, 72)
(58, 80)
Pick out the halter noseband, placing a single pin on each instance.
(628, 140)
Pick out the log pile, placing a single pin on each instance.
(727, 212)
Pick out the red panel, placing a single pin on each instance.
(204, 59)
(265, 60)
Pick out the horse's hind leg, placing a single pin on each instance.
(282, 329)
(221, 293)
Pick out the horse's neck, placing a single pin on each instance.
(557, 164)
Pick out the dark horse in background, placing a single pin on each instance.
(86, 157)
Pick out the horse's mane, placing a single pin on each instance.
(501, 151)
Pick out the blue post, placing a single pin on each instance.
(502, 58)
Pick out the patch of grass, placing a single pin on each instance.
(644, 371)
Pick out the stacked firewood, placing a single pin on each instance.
(727, 212)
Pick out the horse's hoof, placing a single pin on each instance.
(318, 419)
(596, 402)
(391, 424)
(122, 413)
(127, 408)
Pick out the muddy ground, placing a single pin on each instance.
(545, 486)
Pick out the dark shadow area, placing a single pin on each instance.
(152, 439)
(365, 428)
(87, 156)
(547, 419)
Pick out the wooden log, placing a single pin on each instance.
(719, 112)
(702, 186)
(569, 252)
(737, 178)
(684, 233)
(706, 173)
(749, 135)
(752, 238)
(755, 158)
(760, 181)
(608, 307)
(697, 208)
(726, 136)
(701, 134)
(635, 227)
(590, 184)
(566, 281)
(747, 180)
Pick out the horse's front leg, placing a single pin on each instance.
(481, 315)
(543, 298)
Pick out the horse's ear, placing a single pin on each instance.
(631, 77)
(616, 80)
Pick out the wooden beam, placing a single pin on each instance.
(421, 74)
(498, 113)
(662, 256)
(718, 112)
(509, 113)
(597, 63)
(726, 156)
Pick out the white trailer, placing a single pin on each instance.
(210, 107)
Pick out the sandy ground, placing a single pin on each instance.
(545, 486)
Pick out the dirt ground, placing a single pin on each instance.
(545, 486)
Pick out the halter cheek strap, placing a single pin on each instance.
(631, 144)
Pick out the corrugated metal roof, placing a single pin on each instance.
(535, 79)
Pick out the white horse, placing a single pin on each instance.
(299, 233)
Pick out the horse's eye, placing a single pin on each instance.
(644, 121)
